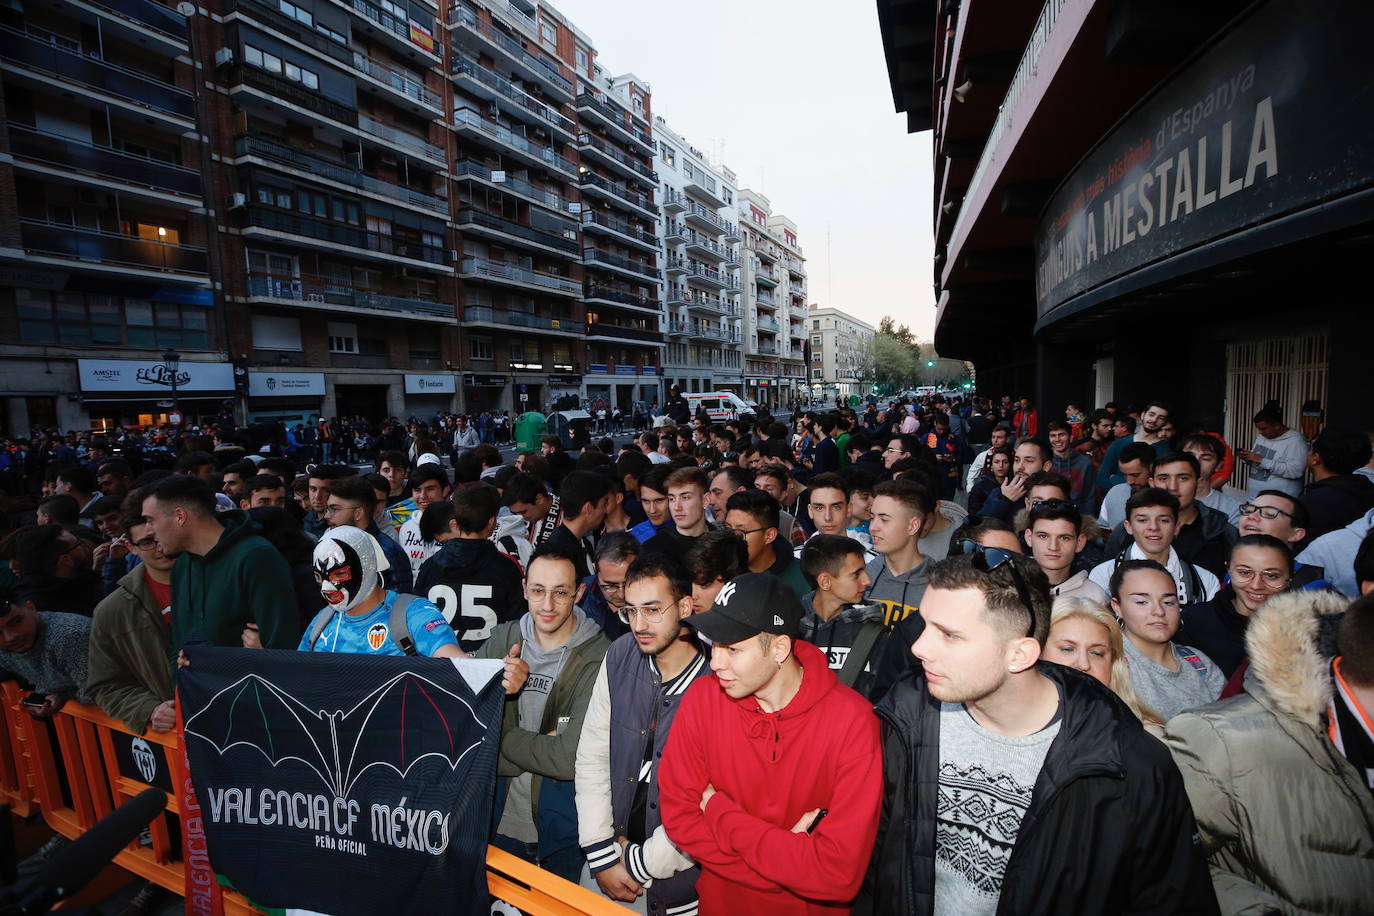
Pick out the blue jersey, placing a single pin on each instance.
(370, 634)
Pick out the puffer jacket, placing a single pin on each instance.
(1286, 821)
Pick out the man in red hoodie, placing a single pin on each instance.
(772, 775)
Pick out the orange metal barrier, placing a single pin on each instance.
(31, 780)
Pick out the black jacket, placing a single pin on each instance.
(1109, 828)
(1336, 502)
(1206, 542)
(1215, 628)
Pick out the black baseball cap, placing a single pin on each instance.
(748, 605)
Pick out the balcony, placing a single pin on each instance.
(703, 218)
(617, 297)
(703, 247)
(795, 270)
(95, 246)
(468, 24)
(674, 233)
(86, 68)
(148, 14)
(674, 202)
(277, 90)
(706, 193)
(677, 266)
(764, 323)
(731, 232)
(406, 141)
(325, 291)
(704, 305)
(331, 235)
(764, 276)
(616, 332)
(614, 158)
(469, 122)
(608, 225)
(765, 300)
(466, 168)
(615, 118)
(731, 257)
(271, 151)
(481, 314)
(400, 82)
(409, 38)
(593, 257)
(474, 220)
(705, 276)
(767, 349)
(104, 162)
(491, 85)
(498, 271)
(618, 193)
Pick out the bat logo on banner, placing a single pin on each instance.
(254, 712)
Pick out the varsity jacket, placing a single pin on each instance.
(629, 703)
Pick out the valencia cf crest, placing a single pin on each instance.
(376, 635)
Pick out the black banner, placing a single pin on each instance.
(344, 783)
(1271, 119)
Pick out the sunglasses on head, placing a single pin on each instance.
(989, 559)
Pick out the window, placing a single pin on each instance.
(479, 348)
(327, 32)
(276, 332)
(816, 373)
(669, 155)
(582, 60)
(637, 102)
(343, 337)
(816, 341)
(274, 64)
(93, 319)
(296, 13)
(548, 32)
(816, 324)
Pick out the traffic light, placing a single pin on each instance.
(930, 364)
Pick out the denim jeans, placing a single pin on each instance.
(566, 863)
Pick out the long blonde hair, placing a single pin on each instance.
(1069, 606)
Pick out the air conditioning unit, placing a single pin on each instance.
(238, 200)
(454, 255)
(224, 57)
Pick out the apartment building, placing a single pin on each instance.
(839, 345)
(620, 245)
(701, 259)
(105, 254)
(773, 303)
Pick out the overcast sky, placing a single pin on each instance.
(795, 94)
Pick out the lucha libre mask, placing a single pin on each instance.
(348, 565)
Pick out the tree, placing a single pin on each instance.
(890, 362)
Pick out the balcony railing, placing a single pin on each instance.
(89, 69)
(470, 216)
(604, 329)
(596, 143)
(97, 246)
(521, 319)
(608, 294)
(282, 90)
(402, 82)
(603, 257)
(702, 213)
(501, 271)
(619, 190)
(269, 149)
(1008, 111)
(466, 17)
(399, 137)
(468, 117)
(615, 115)
(700, 270)
(461, 66)
(146, 12)
(766, 324)
(620, 226)
(703, 331)
(393, 24)
(766, 299)
(674, 201)
(330, 292)
(117, 165)
(518, 185)
(326, 231)
(769, 349)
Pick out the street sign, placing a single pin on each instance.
(524, 397)
(174, 418)
(166, 404)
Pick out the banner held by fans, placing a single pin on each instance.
(378, 772)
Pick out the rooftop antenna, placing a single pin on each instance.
(829, 270)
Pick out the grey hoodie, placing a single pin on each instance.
(900, 595)
(836, 636)
(545, 666)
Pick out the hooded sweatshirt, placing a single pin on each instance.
(900, 595)
(821, 750)
(836, 637)
(1283, 462)
(242, 579)
(475, 585)
(519, 818)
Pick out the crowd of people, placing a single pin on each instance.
(931, 657)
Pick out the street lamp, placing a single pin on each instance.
(171, 360)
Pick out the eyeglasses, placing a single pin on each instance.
(147, 543)
(609, 587)
(741, 532)
(1051, 504)
(334, 510)
(1269, 512)
(536, 594)
(1272, 577)
(989, 559)
(645, 612)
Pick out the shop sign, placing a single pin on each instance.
(285, 384)
(474, 380)
(1266, 122)
(150, 377)
(429, 384)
